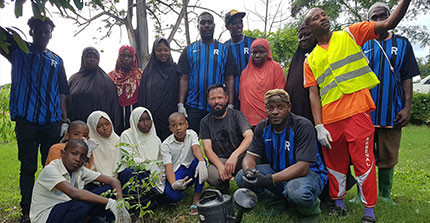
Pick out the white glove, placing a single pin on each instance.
(230, 106)
(323, 136)
(121, 214)
(64, 128)
(181, 184)
(92, 145)
(182, 110)
(201, 171)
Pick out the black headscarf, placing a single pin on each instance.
(158, 90)
(299, 95)
(92, 90)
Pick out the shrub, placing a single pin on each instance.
(141, 191)
(420, 111)
(7, 127)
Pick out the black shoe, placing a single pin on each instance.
(367, 219)
(24, 219)
(341, 212)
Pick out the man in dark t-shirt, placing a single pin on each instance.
(286, 143)
(201, 64)
(226, 134)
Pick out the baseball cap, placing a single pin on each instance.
(231, 14)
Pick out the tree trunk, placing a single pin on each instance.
(187, 27)
(142, 47)
(178, 20)
(129, 25)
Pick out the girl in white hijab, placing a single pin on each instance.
(101, 130)
(143, 144)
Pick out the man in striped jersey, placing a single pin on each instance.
(203, 63)
(239, 44)
(291, 167)
(393, 61)
(37, 101)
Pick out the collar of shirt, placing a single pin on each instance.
(172, 139)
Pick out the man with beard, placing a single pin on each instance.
(226, 135)
(203, 63)
(239, 44)
(286, 143)
(339, 78)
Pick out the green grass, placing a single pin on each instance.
(411, 190)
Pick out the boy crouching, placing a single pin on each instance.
(58, 195)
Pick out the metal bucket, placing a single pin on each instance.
(215, 207)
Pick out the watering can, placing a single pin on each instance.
(215, 207)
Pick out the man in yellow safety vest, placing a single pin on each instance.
(339, 78)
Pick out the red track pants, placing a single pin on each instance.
(352, 141)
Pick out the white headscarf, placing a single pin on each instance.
(104, 154)
(142, 146)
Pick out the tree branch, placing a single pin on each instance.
(207, 9)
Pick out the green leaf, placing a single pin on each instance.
(99, 3)
(79, 4)
(1, 3)
(18, 8)
(36, 9)
(21, 43)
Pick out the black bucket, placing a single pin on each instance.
(215, 207)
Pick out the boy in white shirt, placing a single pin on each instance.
(58, 195)
(183, 160)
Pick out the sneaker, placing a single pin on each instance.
(367, 219)
(341, 212)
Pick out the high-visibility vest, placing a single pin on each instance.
(342, 69)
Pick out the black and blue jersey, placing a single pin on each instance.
(38, 79)
(388, 95)
(206, 64)
(297, 142)
(241, 52)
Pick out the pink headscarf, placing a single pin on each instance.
(256, 81)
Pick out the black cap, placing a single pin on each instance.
(232, 14)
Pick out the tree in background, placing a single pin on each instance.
(424, 65)
(283, 43)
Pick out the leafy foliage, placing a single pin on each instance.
(39, 11)
(424, 66)
(139, 190)
(283, 43)
(420, 111)
(7, 127)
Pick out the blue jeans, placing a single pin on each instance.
(302, 192)
(181, 173)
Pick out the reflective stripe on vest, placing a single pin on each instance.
(342, 69)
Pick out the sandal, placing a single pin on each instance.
(193, 210)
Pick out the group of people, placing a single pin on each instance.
(292, 137)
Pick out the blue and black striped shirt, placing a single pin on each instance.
(388, 95)
(38, 79)
(206, 64)
(297, 142)
(241, 52)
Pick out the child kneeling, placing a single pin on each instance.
(183, 161)
(58, 195)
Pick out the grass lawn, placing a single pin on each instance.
(411, 190)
